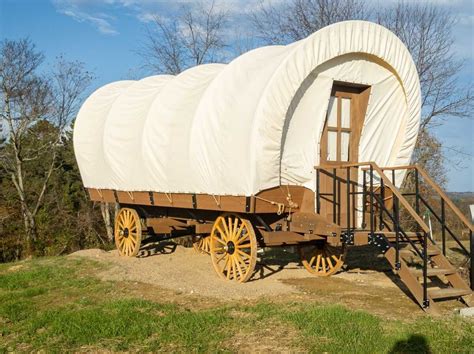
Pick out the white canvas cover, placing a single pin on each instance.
(252, 124)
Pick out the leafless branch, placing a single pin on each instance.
(195, 36)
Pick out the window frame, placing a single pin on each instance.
(338, 129)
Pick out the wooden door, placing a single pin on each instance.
(340, 145)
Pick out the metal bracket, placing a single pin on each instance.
(152, 200)
(398, 265)
(347, 239)
(426, 303)
(116, 196)
(380, 241)
(194, 201)
(247, 204)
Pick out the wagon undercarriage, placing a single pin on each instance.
(344, 212)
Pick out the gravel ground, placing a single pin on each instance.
(188, 272)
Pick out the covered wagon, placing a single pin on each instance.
(282, 146)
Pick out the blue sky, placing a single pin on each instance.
(105, 35)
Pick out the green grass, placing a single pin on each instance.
(58, 305)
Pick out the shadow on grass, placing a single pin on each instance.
(414, 344)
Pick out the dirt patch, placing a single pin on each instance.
(177, 274)
(187, 272)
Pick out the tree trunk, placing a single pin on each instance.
(30, 231)
(105, 210)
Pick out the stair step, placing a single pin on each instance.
(432, 251)
(447, 293)
(433, 272)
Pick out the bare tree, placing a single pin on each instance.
(37, 110)
(426, 30)
(282, 23)
(194, 36)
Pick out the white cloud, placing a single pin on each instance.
(79, 11)
(102, 24)
(93, 11)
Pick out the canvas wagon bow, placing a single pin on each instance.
(282, 146)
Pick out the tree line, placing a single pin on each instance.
(44, 210)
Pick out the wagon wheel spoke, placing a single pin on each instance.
(227, 235)
(128, 232)
(322, 260)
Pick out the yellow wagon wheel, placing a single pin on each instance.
(322, 259)
(202, 244)
(233, 248)
(128, 232)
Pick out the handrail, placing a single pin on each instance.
(387, 183)
(446, 199)
(438, 190)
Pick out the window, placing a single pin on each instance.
(337, 133)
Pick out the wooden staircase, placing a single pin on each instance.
(443, 282)
(413, 255)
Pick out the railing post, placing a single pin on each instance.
(334, 195)
(371, 200)
(364, 196)
(426, 302)
(417, 192)
(382, 197)
(443, 226)
(396, 218)
(471, 238)
(318, 201)
(348, 201)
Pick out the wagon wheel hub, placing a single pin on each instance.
(230, 247)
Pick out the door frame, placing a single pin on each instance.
(359, 95)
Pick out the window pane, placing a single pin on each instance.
(346, 112)
(345, 146)
(332, 112)
(332, 146)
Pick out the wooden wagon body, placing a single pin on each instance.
(267, 151)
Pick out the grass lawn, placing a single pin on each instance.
(58, 304)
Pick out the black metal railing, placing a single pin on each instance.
(372, 201)
(421, 199)
(377, 209)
